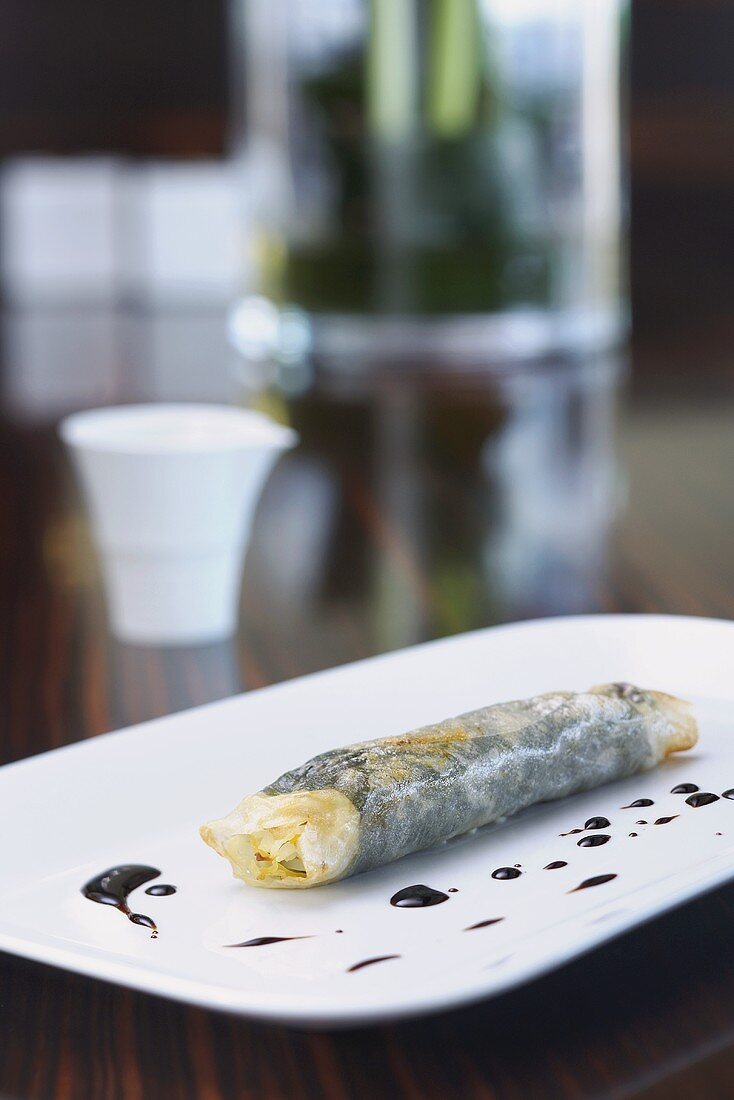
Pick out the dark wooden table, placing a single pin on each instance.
(651, 1014)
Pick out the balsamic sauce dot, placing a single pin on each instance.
(685, 788)
(140, 918)
(370, 962)
(639, 802)
(632, 834)
(665, 820)
(641, 822)
(417, 897)
(113, 887)
(597, 823)
(729, 793)
(263, 941)
(161, 890)
(593, 841)
(484, 923)
(703, 798)
(571, 832)
(339, 931)
(555, 865)
(597, 880)
(453, 890)
(506, 872)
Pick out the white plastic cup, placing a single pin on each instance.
(171, 491)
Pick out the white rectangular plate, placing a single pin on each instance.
(139, 796)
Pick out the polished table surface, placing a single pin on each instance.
(650, 1014)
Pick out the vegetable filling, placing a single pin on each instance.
(277, 853)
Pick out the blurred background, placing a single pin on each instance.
(480, 255)
(153, 86)
(473, 250)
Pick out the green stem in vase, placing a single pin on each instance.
(391, 68)
(454, 74)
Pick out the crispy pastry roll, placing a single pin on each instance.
(355, 808)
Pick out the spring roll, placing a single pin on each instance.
(355, 808)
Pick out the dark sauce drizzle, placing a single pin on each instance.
(506, 872)
(370, 962)
(263, 941)
(597, 880)
(597, 823)
(112, 887)
(703, 798)
(593, 841)
(417, 897)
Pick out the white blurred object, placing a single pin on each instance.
(187, 355)
(171, 491)
(58, 359)
(58, 220)
(88, 230)
(184, 244)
